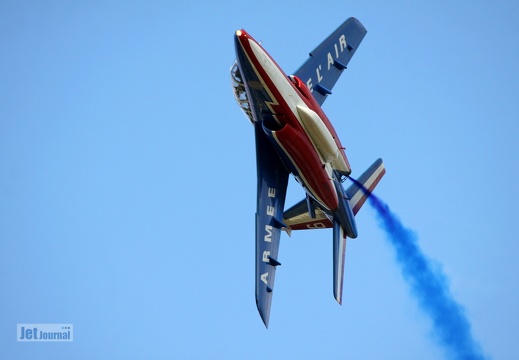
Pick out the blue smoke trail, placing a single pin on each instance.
(429, 285)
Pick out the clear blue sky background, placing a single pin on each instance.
(128, 178)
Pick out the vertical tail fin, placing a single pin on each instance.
(339, 252)
(369, 179)
(358, 196)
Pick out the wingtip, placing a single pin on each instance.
(264, 314)
(266, 323)
(265, 319)
(338, 297)
(339, 300)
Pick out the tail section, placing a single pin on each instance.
(309, 215)
(369, 180)
(357, 194)
(299, 217)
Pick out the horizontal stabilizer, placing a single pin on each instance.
(369, 179)
(299, 218)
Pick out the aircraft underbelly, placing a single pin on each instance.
(276, 104)
(303, 157)
(300, 154)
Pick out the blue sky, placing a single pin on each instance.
(127, 178)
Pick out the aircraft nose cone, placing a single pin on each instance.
(241, 33)
(241, 40)
(238, 38)
(241, 36)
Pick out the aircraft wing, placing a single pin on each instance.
(272, 187)
(328, 61)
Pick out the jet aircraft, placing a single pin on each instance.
(294, 136)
